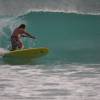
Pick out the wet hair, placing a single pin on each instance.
(22, 26)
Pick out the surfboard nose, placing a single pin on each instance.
(46, 50)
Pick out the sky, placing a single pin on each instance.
(14, 7)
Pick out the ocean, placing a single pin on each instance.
(71, 31)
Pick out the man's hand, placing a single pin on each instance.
(33, 37)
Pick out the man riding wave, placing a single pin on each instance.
(15, 37)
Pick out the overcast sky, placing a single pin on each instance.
(13, 7)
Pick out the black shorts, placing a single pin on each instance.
(15, 43)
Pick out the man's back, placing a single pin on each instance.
(17, 32)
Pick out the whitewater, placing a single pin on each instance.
(71, 31)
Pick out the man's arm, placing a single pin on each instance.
(29, 35)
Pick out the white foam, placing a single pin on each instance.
(3, 51)
(55, 11)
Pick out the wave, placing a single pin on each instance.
(26, 13)
(59, 11)
(69, 36)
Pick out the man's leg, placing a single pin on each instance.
(20, 45)
(14, 44)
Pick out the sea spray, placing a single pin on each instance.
(3, 51)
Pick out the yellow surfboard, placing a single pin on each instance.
(27, 53)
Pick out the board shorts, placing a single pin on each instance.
(16, 43)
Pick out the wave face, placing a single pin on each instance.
(69, 37)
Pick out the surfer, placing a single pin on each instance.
(17, 34)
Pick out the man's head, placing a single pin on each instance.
(22, 26)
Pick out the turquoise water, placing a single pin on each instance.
(70, 37)
(71, 70)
